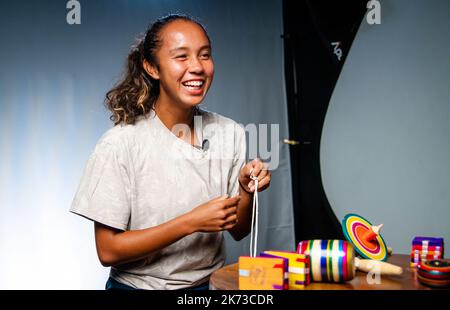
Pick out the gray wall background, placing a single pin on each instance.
(385, 149)
(53, 79)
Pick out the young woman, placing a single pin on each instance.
(161, 197)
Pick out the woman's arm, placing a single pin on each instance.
(115, 247)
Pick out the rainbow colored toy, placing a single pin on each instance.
(263, 273)
(434, 273)
(426, 248)
(364, 237)
(298, 270)
(331, 260)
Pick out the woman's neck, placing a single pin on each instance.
(172, 115)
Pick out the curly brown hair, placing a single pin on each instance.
(136, 93)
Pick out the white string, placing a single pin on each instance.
(254, 228)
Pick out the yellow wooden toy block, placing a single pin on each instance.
(262, 273)
(298, 271)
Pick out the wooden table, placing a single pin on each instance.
(226, 278)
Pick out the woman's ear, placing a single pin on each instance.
(151, 70)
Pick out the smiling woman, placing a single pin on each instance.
(159, 213)
(184, 56)
(183, 66)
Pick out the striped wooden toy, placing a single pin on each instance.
(331, 260)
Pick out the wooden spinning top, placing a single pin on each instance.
(434, 273)
(365, 237)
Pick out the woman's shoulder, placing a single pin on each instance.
(120, 135)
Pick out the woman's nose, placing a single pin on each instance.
(195, 65)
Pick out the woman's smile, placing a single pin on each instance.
(194, 87)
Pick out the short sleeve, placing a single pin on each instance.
(238, 160)
(103, 194)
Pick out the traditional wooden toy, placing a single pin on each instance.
(335, 261)
(263, 273)
(331, 260)
(426, 248)
(435, 273)
(298, 270)
(365, 237)
(428, 241)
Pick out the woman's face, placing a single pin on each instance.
(186, 68)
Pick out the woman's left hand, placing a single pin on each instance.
(255, 168)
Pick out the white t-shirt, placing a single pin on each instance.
(142, 175)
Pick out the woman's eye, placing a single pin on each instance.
(181, 56)
(205, 56)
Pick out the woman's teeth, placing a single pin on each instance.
(193, 84)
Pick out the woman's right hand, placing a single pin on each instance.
(215, 215)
